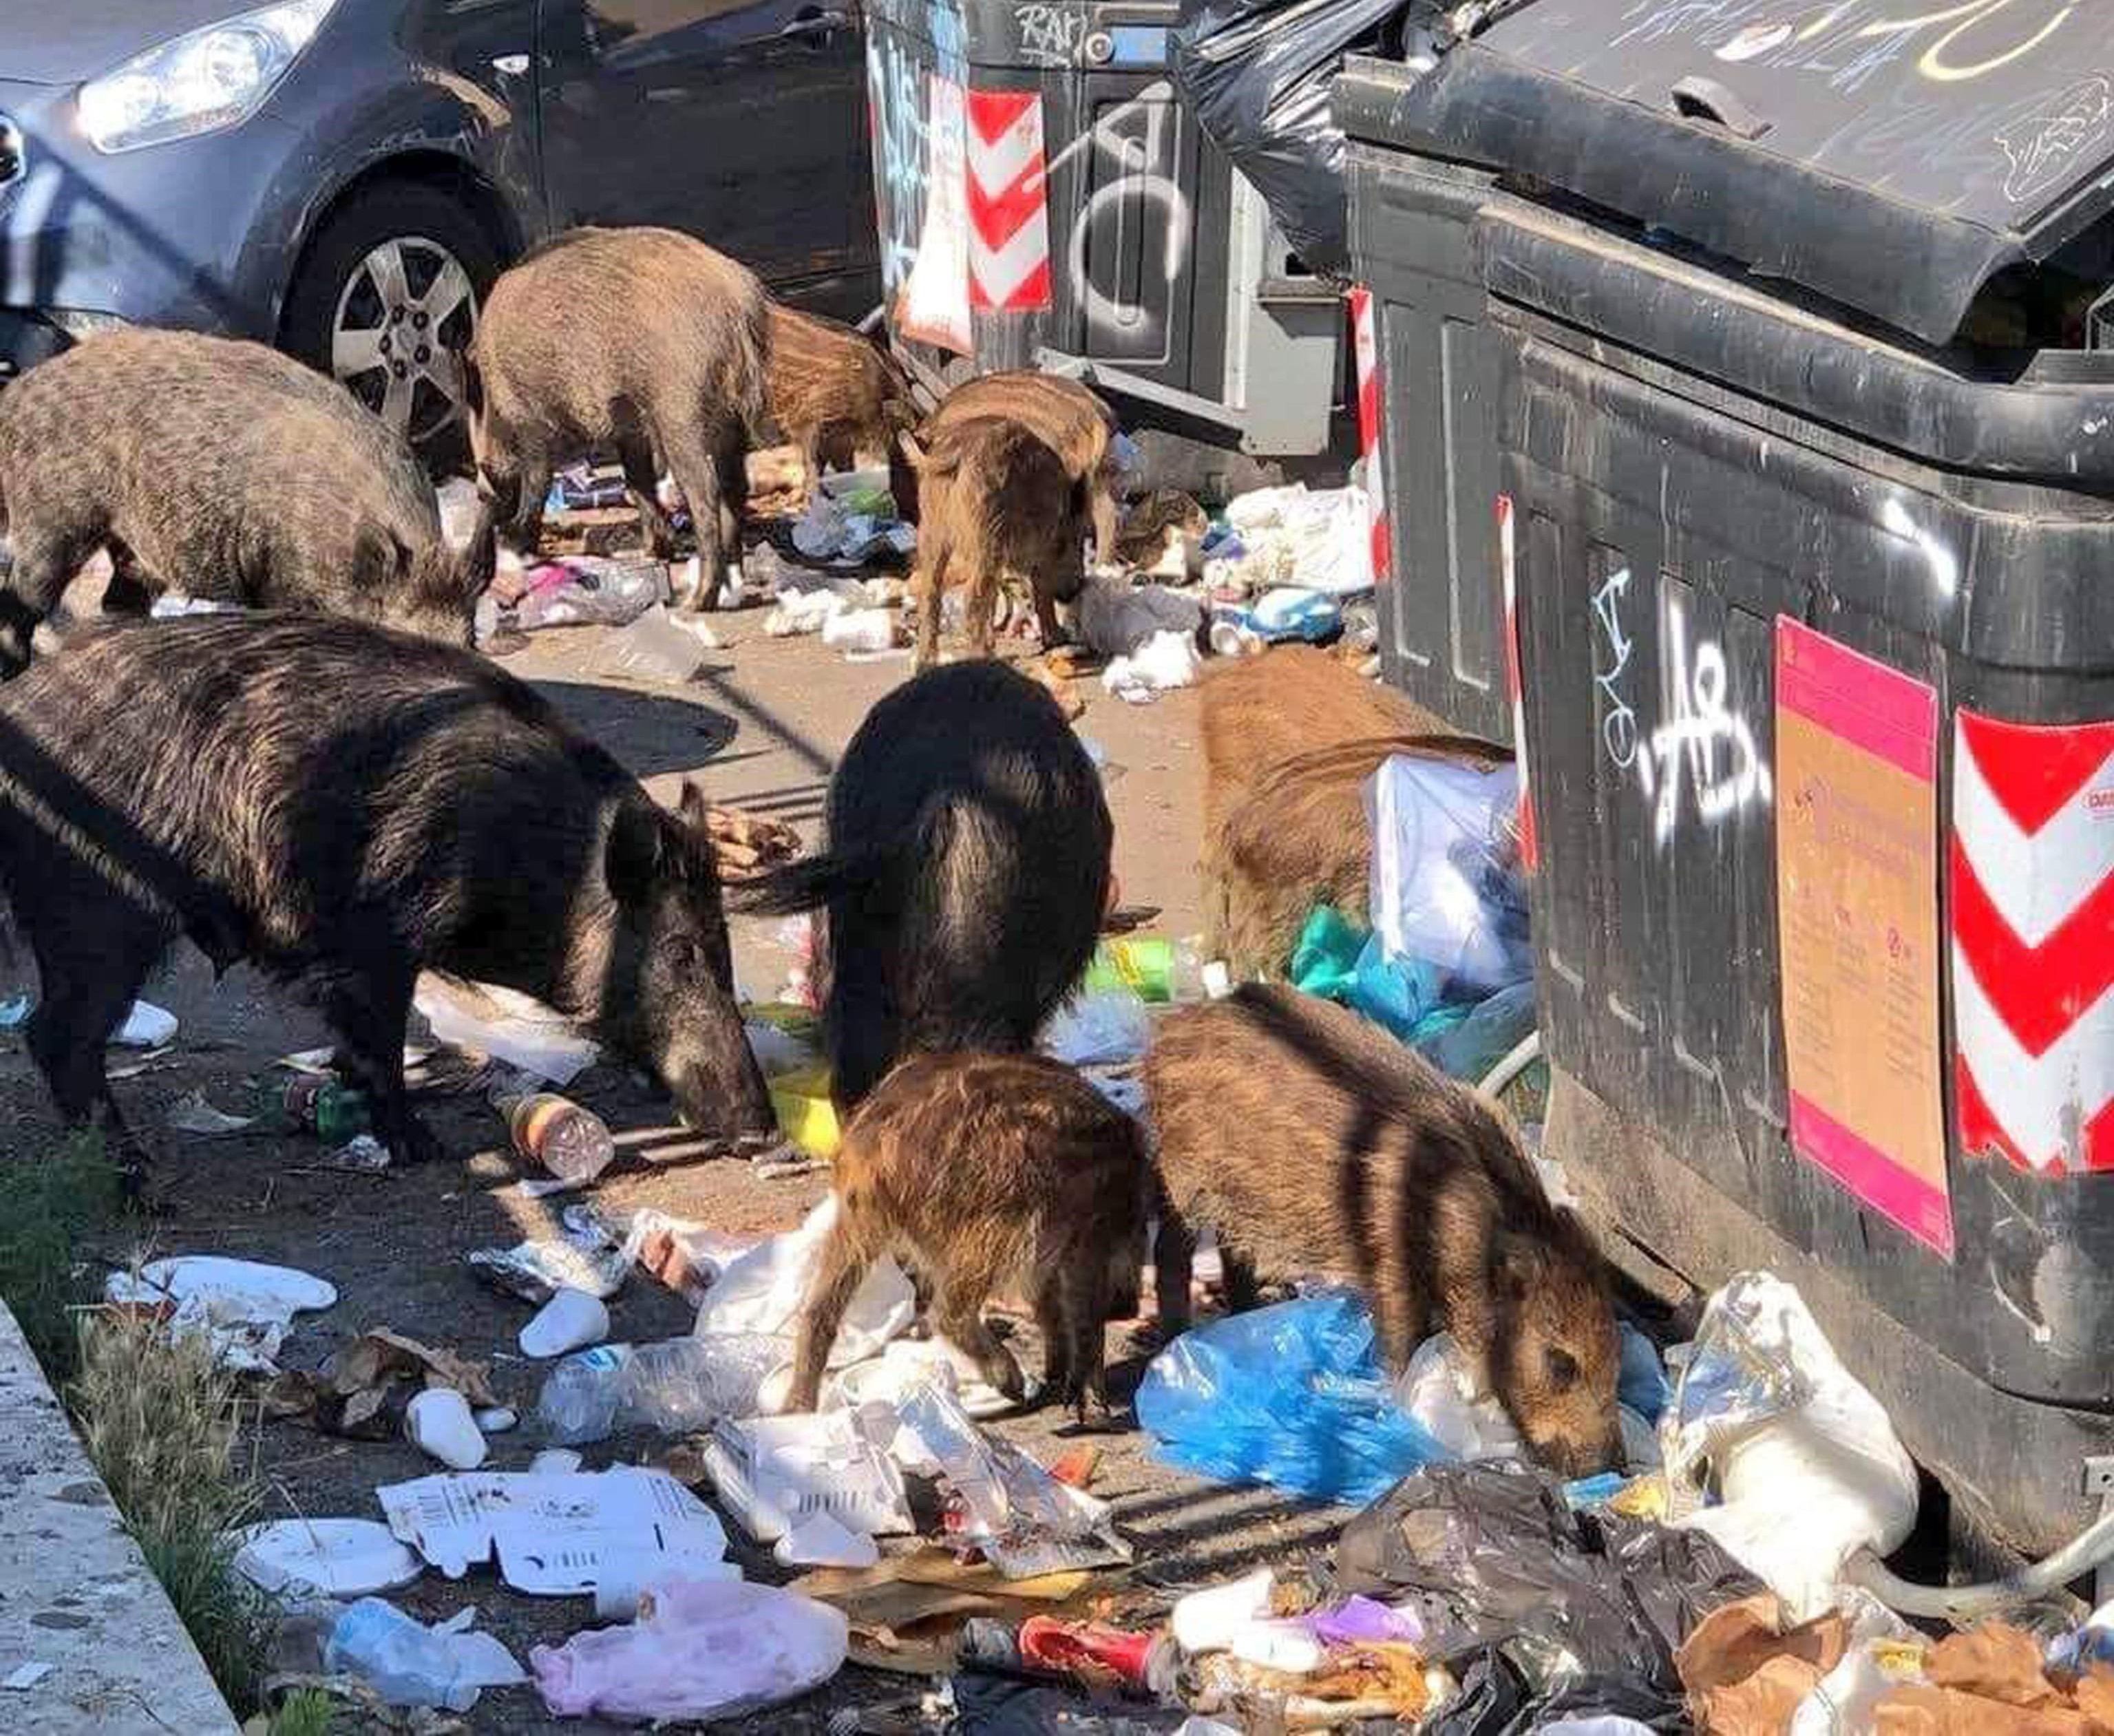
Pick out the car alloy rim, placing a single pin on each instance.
(403, 317)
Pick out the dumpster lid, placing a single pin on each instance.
(1779, 133)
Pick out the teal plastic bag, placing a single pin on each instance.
(1292, 1395)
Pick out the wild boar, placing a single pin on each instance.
(344, 807)
(1310, 1141)
(642, 343)
(999, 509)
(965, 873)
(985, 1172)
(225, 471)
(841, 398)
(1072, 420)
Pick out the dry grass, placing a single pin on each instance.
(161, 1423)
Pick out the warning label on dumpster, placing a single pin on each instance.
(1857, 926)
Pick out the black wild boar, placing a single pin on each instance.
(965, 875)
(225, 471)
(642, 343)
(999, 506)
(987, 1172)
(1312, 1141)
(840, 397)
(344, 806)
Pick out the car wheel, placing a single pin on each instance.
(387, 297)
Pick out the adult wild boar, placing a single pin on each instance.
(344, 807)
(1312, 1142)
(965, 875)
(642, 343)
(840, 397)
(225, 471)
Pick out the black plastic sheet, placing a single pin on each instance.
(1255, 74)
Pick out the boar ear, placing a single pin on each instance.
(632, 854)
(695, 810)
(913, 454)
(1517, 1264)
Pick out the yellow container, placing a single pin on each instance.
(806, 1115)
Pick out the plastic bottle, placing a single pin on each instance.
(336, 1113)
(396, 1657)
(580, 1400)
(573, 1143)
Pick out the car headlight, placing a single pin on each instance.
(212, 78)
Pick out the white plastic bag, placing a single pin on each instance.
(1320, 539)
(1445, 884)
(1168, 660)
(698, 1650)
(1439, 1391)
(764, 1292)
(1806, 1462)
(1098, 1029)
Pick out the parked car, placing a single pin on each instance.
(345, 177)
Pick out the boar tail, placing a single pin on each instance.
(806, 885)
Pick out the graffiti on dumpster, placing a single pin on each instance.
(896, 93)
(1133, 144)
(1701, 743)
(1619, 723)
(2042, 149)
(1049, 35)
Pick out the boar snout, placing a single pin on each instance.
(719, 1089)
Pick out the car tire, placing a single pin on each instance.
(385, 294)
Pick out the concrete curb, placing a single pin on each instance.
(76, 1595)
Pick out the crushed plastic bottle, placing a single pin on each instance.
(409, 1664)
(317, 1103)
(680, 1385)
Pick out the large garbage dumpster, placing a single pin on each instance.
(1045, 199)
(1746, 352)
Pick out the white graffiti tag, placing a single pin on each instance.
(1700, 742)
(1135, 138)
(1049, 35)
(1618, 725)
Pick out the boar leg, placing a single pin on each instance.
(128, 592)
(1085, 1305)
(840, 1269)
(91, 962)
(1104, 523)
(1046, 618)
(957, 1316)
(368, 1010)
(697, 472)
(927, 583)
(1173, 1263)
(519, 481)
(811, 464)
(45, 562)
(1242, 1292)
(985, 587)
(1055, 1326)
(643, 478)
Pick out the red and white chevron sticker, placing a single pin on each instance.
(2032, 877)
(1366, 345)
(1008, 216)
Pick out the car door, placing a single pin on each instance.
(741, 121)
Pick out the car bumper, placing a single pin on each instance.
(197, 233)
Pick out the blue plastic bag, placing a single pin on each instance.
(1292, 1397)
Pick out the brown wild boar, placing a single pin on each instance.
(998, 507)
(986, 1170)
(1072, 420)
(841, 398)
(1312, 1141)
(639, 341)
(227, 471)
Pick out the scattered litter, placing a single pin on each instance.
(582, 1256)
(1745, 1667)
(570, 1140)
(555, 1461)
(819, 1540)
(1807, 1466)
(687, 1258)
(763, 1292)
(578, 590)
(657, 647)
(1286, 614)
(829, 530)
(1320, 539)
(1113, 617)
(1143, 964)
(1291, 1395)
(679, 1386)
(366, 1385)
(1098, 1029)
(555, 1536)
(244, 1308)
(905, 1364)
(333, 1558)
(863, 630)
(27, 1676)
(192, 1114)
(772, 1474)
(568, 1321)
(174, 606)
(146, 1026)
(409, 1664)
(316, 1102)
(706, 1650)
(15, 1012)
(496, 1419)
(1440, 1392)
(459, 508)
(745, 844)
(506, 1026)
(438, 1423)
(809, 609)
(361, 1155)
(1208, 1620)
(1022, 1519)
(1165, 661)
